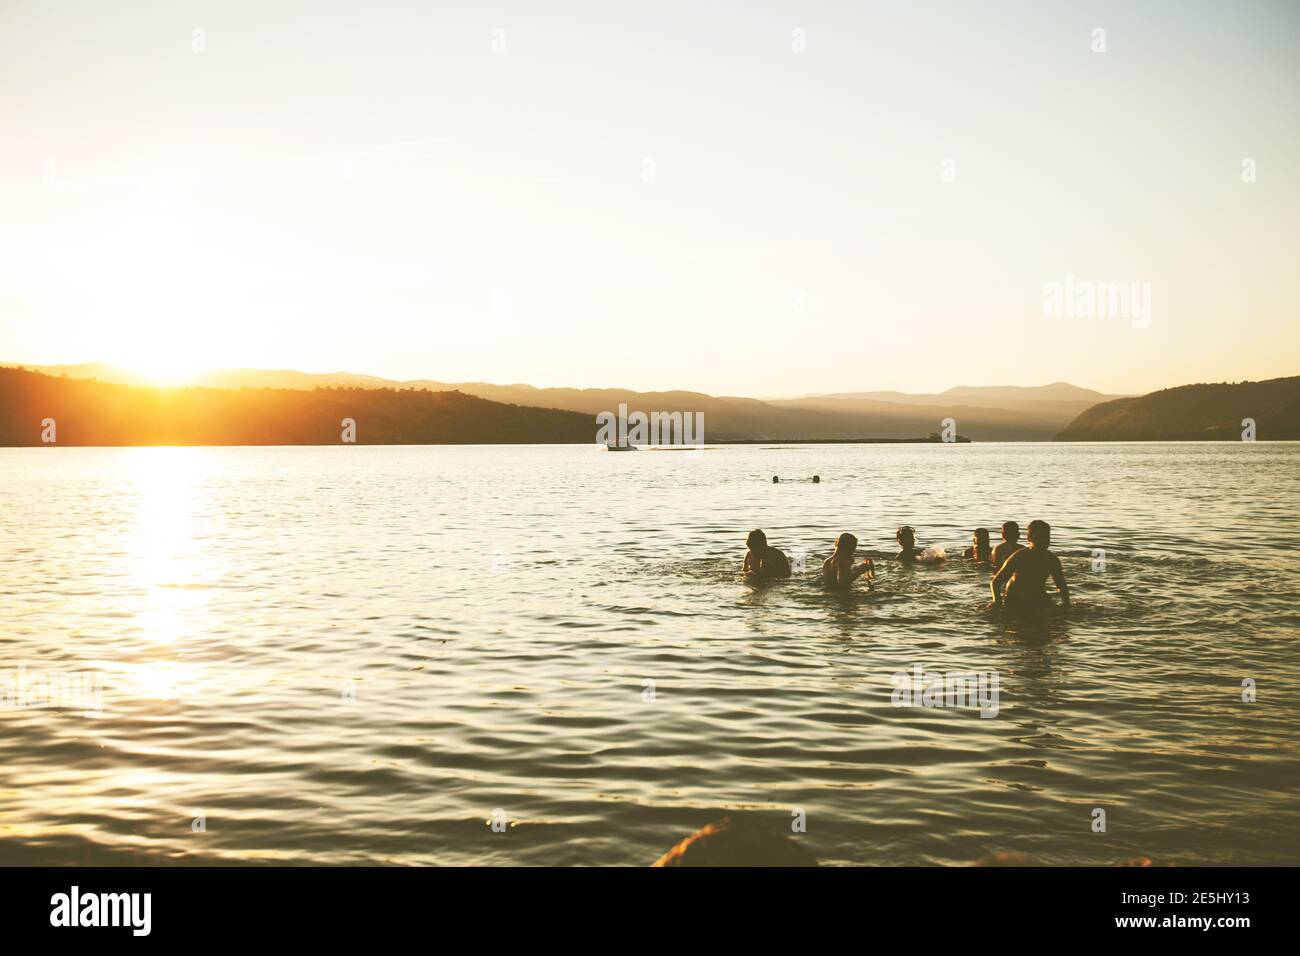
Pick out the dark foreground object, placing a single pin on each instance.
(736, 841)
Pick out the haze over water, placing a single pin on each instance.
(358, 654)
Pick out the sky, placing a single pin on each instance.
(741, 198)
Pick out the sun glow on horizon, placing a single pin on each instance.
(167, 371)
(165, 294)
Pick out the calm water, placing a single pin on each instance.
(357, 655)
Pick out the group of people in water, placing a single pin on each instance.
(1019, 580)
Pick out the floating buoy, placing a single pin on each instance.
(817, 479)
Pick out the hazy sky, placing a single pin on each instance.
(665, 197)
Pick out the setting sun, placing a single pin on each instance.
(167, 370)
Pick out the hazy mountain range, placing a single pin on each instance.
(98, 404)
(992, 413)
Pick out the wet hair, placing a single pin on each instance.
(1036, 527)
(905, 529)
(1010, 529)
(755, 539)
(982, 535)
(847, 541)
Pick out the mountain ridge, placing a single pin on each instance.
(1201, 412)
(990, 413)
(89, 412)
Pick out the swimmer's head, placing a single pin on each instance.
(756, 539)
(1010, 531)
(846, 544)
(981, 537)
(906, 536)
(1040, 534)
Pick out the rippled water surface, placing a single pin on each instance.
(358, 654)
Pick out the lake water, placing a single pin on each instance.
(364, 654)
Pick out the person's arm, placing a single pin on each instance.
(1058, 578)
(747, 568)
(862, 569)
(828, 572)
(1000, 579)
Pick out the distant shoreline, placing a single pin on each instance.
(708, 445)
(36, 408)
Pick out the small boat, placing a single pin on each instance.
(612, 447)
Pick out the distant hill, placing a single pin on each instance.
(1195, 413)
(1001, 412)
(88, 412)
(985, 413)
(990, 396)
